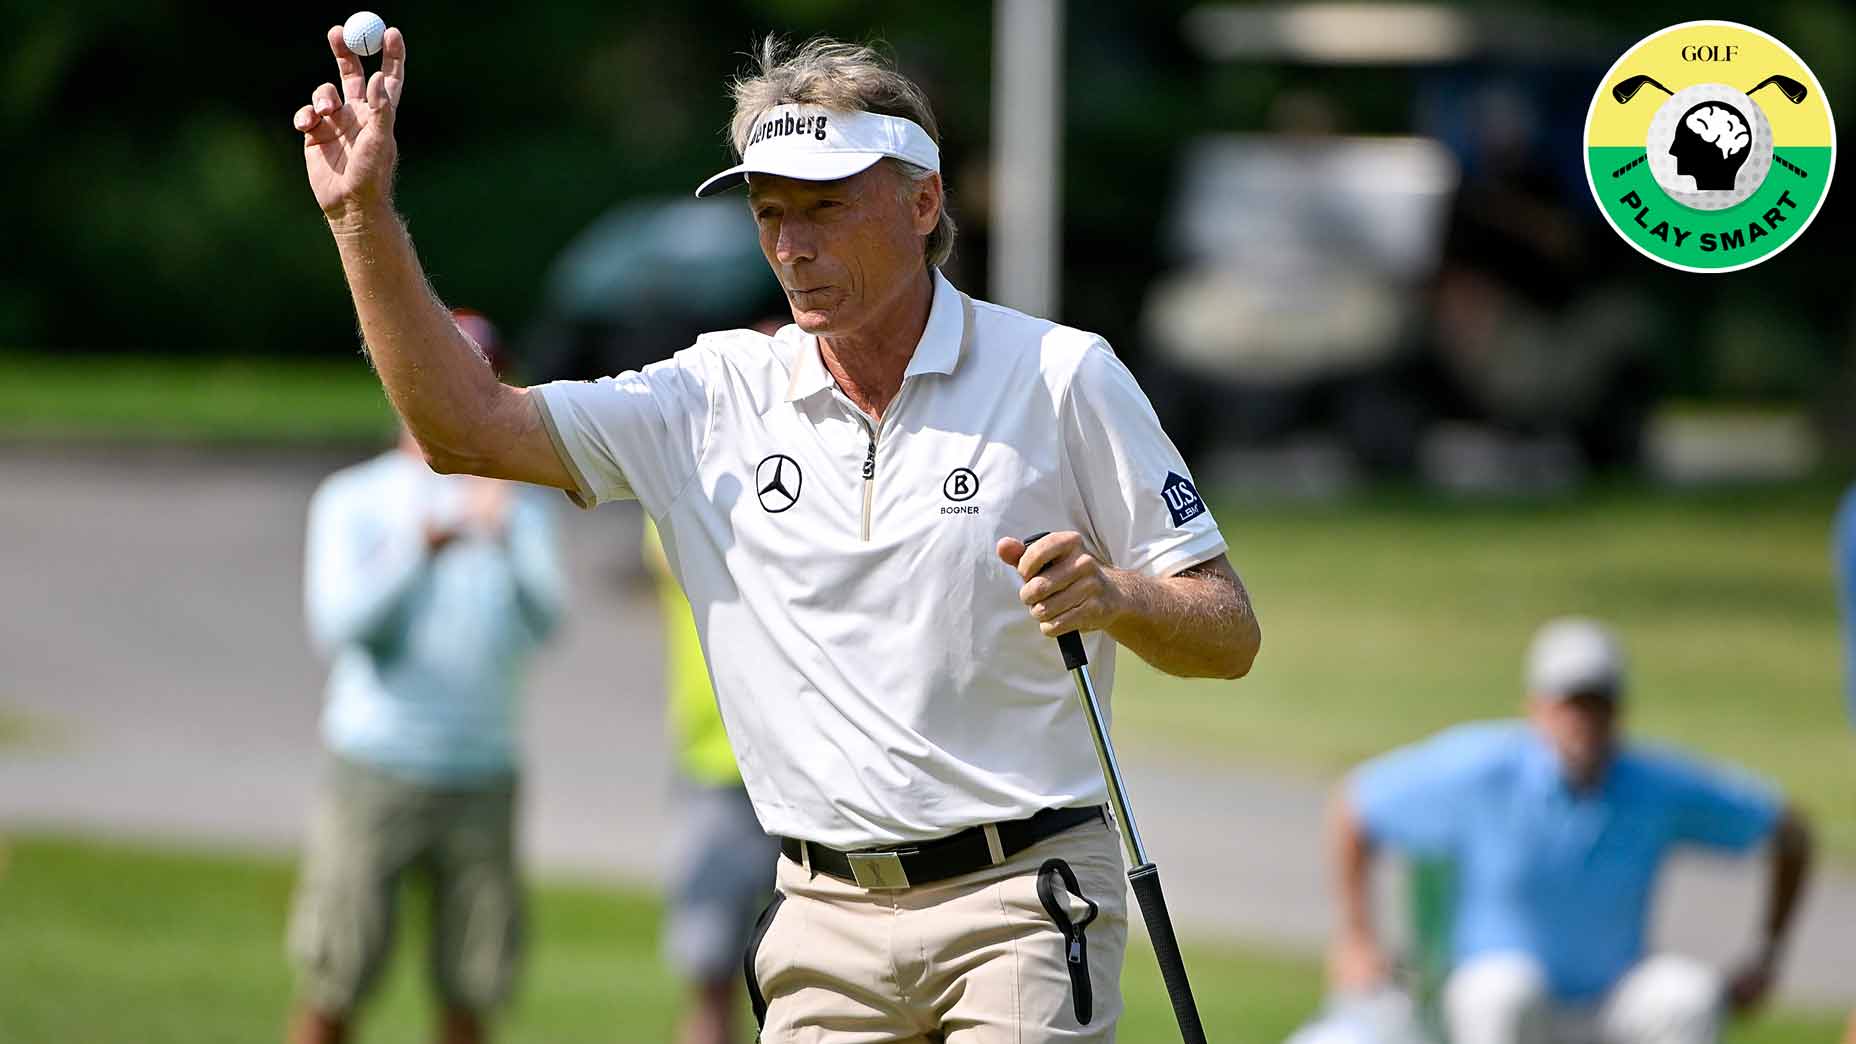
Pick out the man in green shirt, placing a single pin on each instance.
(722, 861)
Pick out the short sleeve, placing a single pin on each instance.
(1413, 799)
(1135, 488)
(1717, 807)
(638, 435)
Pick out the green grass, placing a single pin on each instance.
(15, 729)
(209, 400)
(1387, 619)
(108, 942)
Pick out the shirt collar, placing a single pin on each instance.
(1541, 767)
(938, 351)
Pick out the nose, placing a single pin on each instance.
(794, 242)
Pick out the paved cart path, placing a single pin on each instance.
(150, 629)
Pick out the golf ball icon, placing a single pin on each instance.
(1709, 145)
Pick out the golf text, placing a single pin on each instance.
(1718, 236)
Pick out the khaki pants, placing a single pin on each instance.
(977, 959)
(369, 831)
(1503, 999)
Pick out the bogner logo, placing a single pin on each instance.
(780, 126)
(961, 484)
(1732, 164)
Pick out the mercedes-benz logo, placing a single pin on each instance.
(961, 484)
(777, 480)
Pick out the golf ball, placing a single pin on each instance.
(364, 32)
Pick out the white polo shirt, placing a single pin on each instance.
(879, 679)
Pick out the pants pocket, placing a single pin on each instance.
(1075, 941)
(764, 922)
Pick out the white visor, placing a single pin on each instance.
(813, 143)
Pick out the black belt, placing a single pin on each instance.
(904, 866)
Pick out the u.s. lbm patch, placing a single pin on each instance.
(1181, 499)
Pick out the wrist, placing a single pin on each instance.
(1123, 595)
(355, 217)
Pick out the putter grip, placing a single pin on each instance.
(1071, 645)
(1146, 882)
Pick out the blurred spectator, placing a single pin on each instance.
(1525, 331)
(1844, 541)
(1556, 829)
(428, 593)
(722, 861)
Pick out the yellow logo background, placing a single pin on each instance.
(1799, 126)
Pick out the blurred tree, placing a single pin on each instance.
(154, 197)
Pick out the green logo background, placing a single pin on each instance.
(1805, 192)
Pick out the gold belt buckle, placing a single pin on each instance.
(878, 870)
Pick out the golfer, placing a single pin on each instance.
(839, 501)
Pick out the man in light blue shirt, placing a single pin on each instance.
(1556, 830)
(429, 593)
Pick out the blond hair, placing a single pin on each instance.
(848, 78)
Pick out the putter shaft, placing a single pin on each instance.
(1111, 769)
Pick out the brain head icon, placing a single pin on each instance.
(1712, 143)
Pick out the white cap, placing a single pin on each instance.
(1573, 655)
(813, 143)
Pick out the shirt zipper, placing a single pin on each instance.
(872, 432)
(869, 480)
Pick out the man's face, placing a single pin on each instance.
(1581, 729)
(843, 250)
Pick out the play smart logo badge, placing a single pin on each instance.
(1709, 146)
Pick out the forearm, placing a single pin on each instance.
(438, 382)
(1195, 624)
(1791, 863)
(1350, 853)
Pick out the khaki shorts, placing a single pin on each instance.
(368, 829)
(978, 959)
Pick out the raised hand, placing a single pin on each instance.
(348, 145)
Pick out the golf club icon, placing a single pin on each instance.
(1626, 89)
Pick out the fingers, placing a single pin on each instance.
(348, 66)
(321, 120)
(326, 102)
(1059, 603)
(316, 130)
(393, 64)
(1048, 550)
(1010, 550)
(1064, 588)
(1057, 576)
(325, 99)
(1084, 617)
